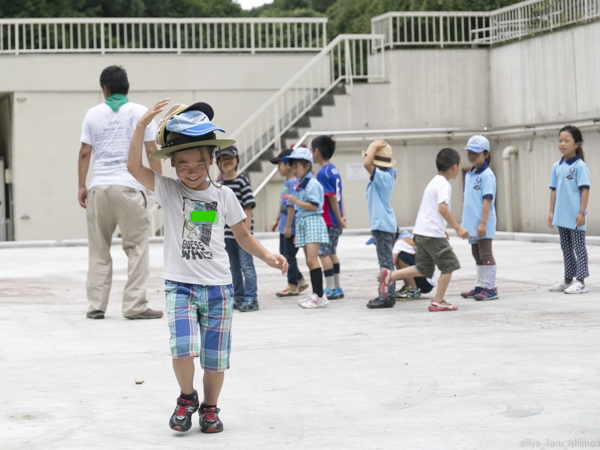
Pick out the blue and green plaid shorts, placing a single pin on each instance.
(209, 308)
(311, 229)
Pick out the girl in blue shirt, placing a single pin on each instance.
(479, 217)
(569, 194)
(311, 230)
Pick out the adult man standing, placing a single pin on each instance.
(115, 197)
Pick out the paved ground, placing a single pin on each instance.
(520, 372)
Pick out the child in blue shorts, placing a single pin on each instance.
(311, 230)
(198, 286)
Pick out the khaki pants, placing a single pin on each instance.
(107, 207)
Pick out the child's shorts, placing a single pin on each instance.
(331, 247)
(311, 229)
(210, 308)
(433, 252)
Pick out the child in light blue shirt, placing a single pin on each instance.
(479, 217)
(379, 162)
(569, 195)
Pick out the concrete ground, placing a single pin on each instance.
(519, 372)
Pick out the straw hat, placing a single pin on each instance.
(383, 157)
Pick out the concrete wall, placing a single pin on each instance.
(53, 92)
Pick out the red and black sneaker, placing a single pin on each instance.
(209, 419)
(181, 420)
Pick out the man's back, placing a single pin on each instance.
(109, 133)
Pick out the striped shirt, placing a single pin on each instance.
(240, 186)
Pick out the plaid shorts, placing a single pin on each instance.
(190, 306)
(331, 247)
(311, 229)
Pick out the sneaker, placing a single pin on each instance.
(237, 304)
(312, 302)
(249, 305)
(401, 293)
(289, 291)
(209, 419)
(472, 293)
(181, 420)
(336, 294)
(302, 285)
(327, 292)
(487, 294)
(560, 287)
(148, 314)
(409, 292)
(95, 315)
(380, 302)
(385, 279)
(577, 287)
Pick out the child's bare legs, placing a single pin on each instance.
(326, 262)
(311, 252)
(213, 381)
(410, 281)
(442, 285)
(408, 272)
(184, 372)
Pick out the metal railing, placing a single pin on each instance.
(348, 58)
(482, 28)
(103, 35)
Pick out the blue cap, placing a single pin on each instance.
(191, 123)
(478, 144)
(299, 153)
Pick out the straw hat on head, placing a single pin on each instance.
(184, 127)
(383, 156)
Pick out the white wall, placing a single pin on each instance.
(53, 92)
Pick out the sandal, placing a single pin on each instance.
(442, 306)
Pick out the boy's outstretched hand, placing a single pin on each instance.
(277, 262)
(152, 112)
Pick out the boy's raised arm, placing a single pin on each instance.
(370, 155)
(135, 167)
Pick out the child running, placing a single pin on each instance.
(311, 230)
(569, 195)
(240, 261)
(286, 219)
(196, 267)
(433, 248)
(479, 217)
(333, 213)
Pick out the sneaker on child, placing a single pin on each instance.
(209, 419)
(249, 305)
(313, 301)
(408, 292)
(487, 294)
(336, 294)
(576, 287)
(472, 293)
(181, 420)
(289, 291)
(560, 287)
(302, 285)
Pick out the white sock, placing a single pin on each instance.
(490, 277)
(479, 282)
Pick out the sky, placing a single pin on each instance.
(249, 4)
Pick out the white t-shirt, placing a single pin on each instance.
(195, 252)
(109, 133)
(429, 220)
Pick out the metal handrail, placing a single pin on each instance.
(440, 28)
(346, 58)
(133, 35)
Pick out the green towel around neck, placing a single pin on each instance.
(115, 101)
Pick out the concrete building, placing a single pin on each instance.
(518, 94)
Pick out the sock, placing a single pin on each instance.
(479, 282)
(204, 405)
(329, 278)
(316, 279)
(490, 277)
(336, 275)
(192, 396)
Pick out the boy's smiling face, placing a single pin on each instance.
(191, 167)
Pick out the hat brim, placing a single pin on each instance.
(287, 159)
(380, 163)
(166, 153)
(475, 149)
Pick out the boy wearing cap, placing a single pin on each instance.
(323, 148)
(286, 219)
(311, 230)
(379, 163)
(430, 237)
(241, 262)
(479, 217)
(198, 286)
